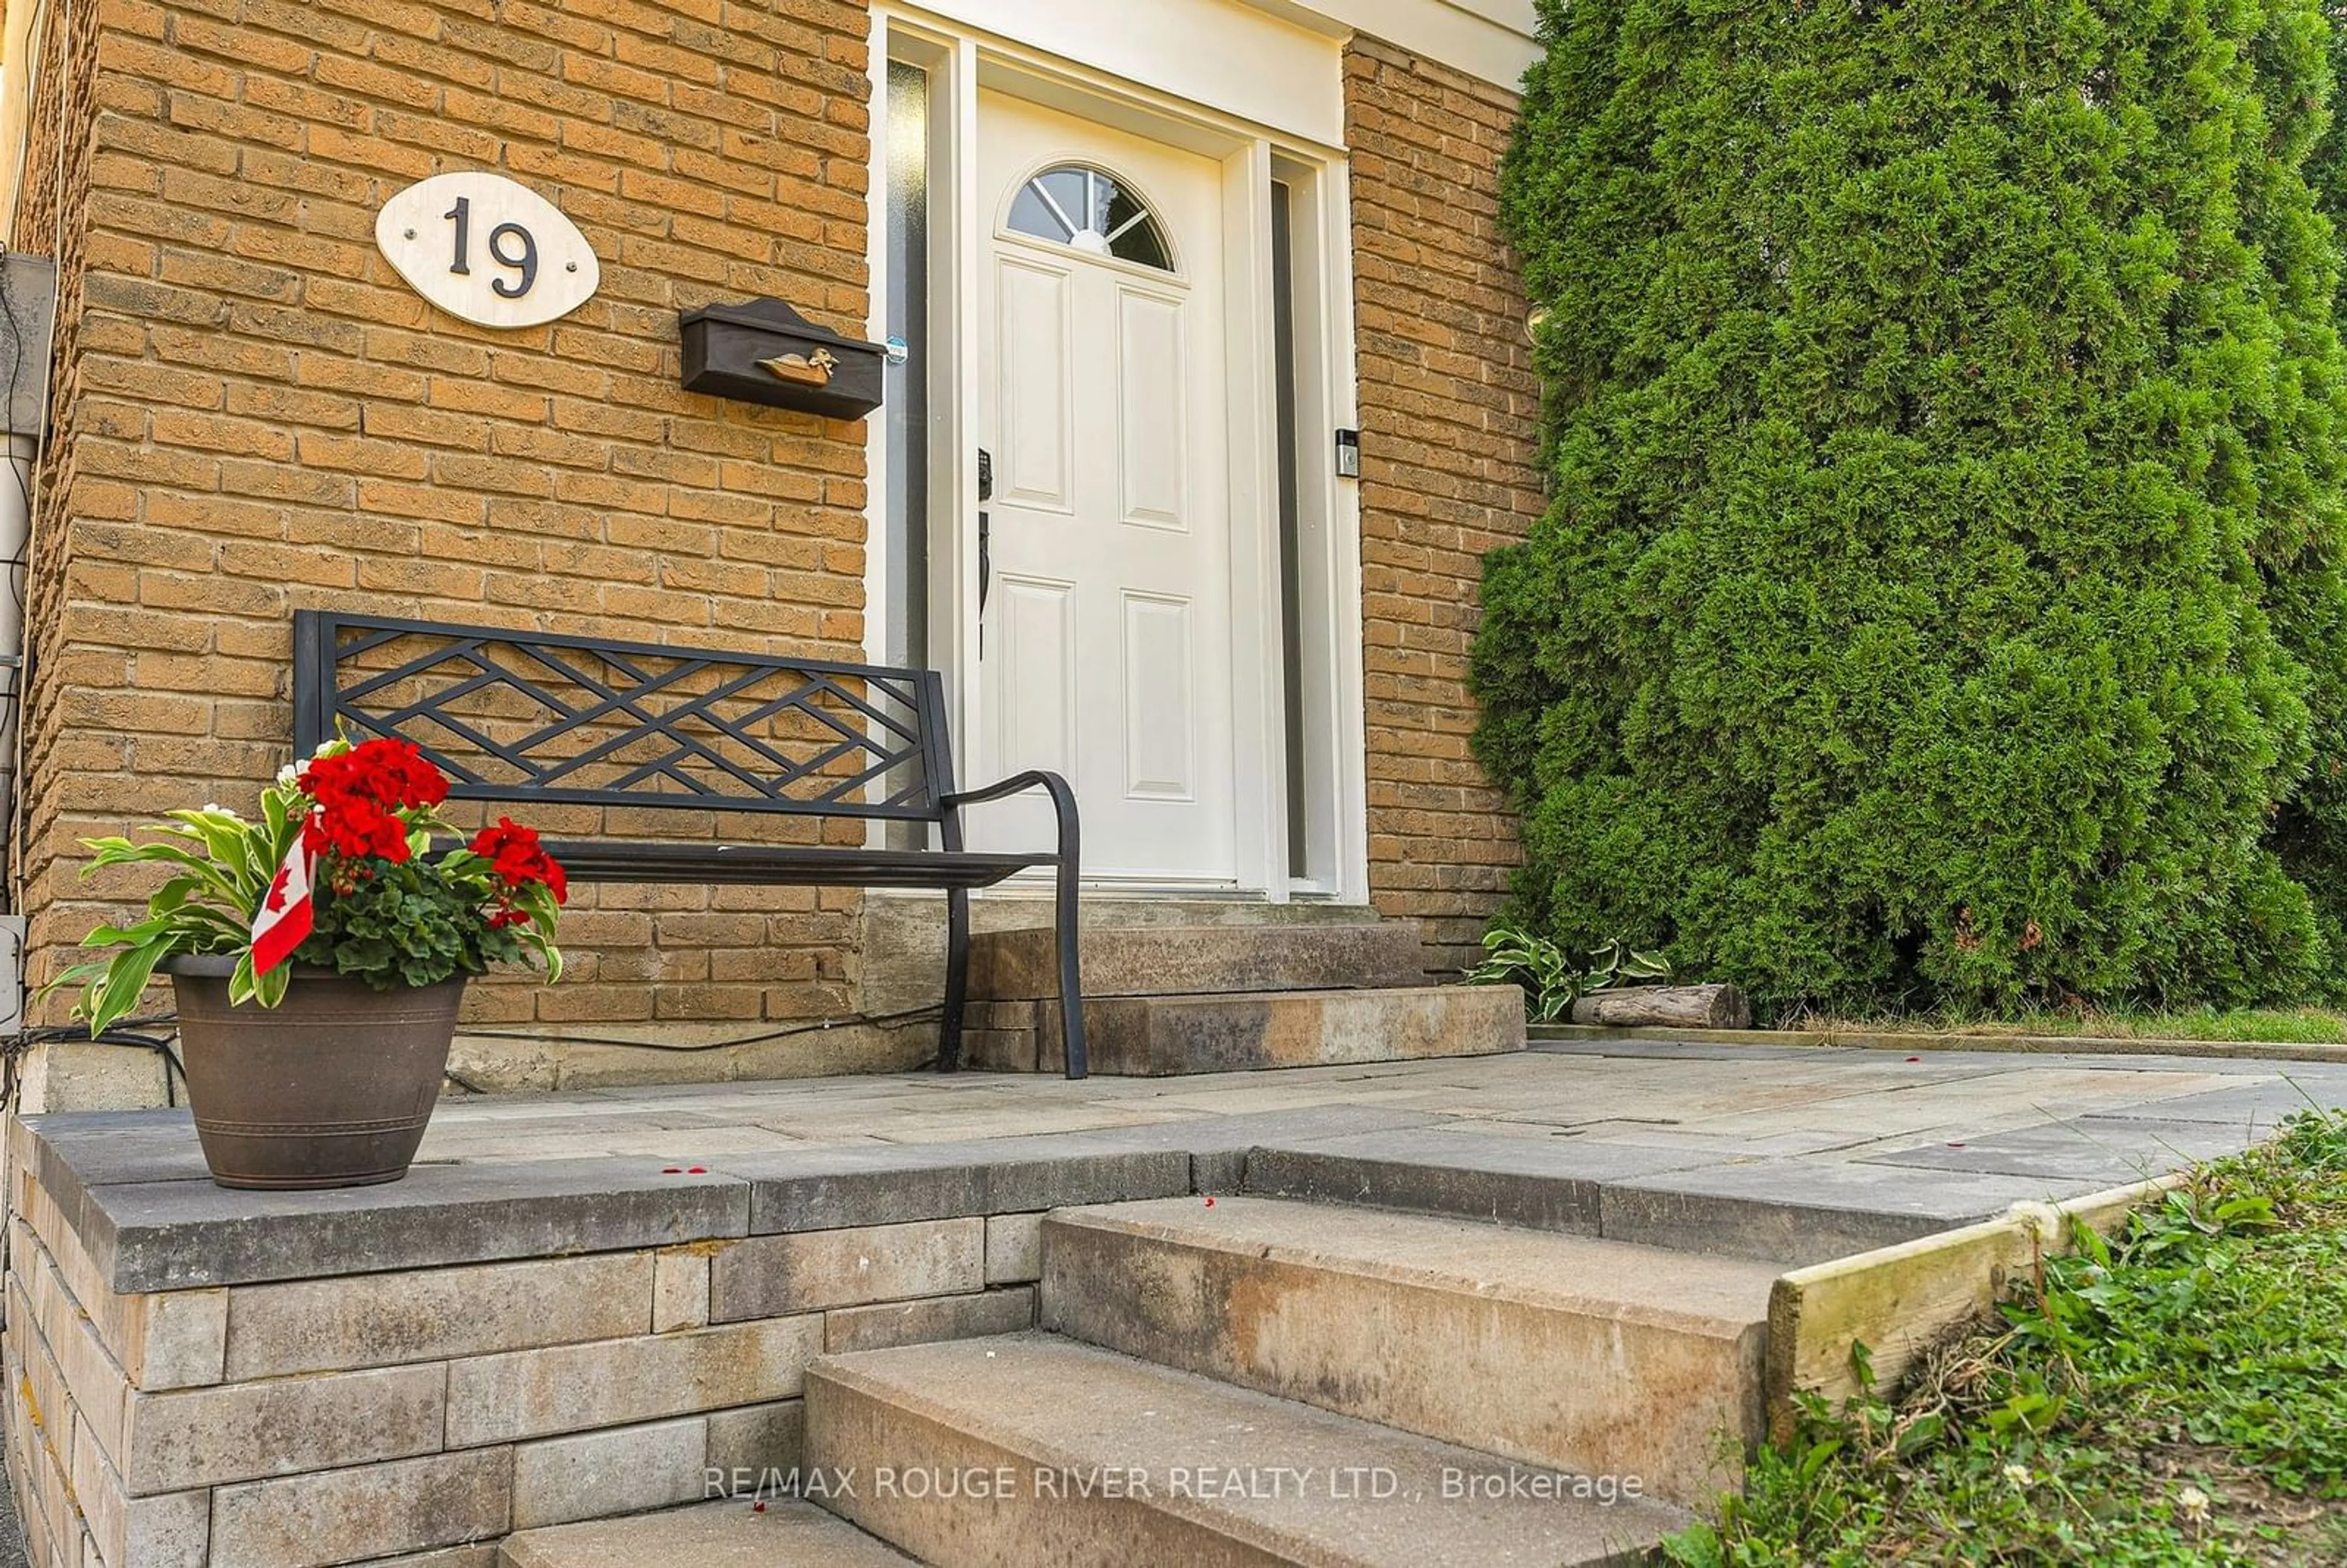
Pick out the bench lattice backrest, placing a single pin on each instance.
(511, 714)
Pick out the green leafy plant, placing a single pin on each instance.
(1940, 596)
(1551, 981)
(383, 907)
(2168, 1397)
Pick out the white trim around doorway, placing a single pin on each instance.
(1253, 152)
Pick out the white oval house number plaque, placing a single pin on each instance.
(488, 251)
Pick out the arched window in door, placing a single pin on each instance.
(1093, 212)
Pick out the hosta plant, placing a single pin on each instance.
(1550, 979)
(342, 871)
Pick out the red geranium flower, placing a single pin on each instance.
(355, 828)
(518, 860)
(360, 794)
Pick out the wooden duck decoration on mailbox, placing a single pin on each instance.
(764, 351)
(803, 369)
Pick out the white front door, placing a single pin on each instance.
(1107, 629)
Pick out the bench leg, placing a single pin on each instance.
(956, 980)
(1071, 999)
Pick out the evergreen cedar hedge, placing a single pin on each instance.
(1940, 595)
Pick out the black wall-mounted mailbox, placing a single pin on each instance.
(765, 352)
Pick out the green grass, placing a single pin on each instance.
(2293, 1026)
(2178, 1399)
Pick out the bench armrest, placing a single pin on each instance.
(1070, 872)
(1063, 797)
(1063, 807)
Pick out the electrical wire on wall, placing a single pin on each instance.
(136, 1032)
(160, 1033)
(887, 1020)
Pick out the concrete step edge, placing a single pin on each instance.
(1645, 1387)
(784, 1533)
(1347, 921)
(1033, 1453)
(1314, 1254)
(1167, 1037)
(1640, 1521)
(1475, 995)
(1688, 1206)
(1151, 959)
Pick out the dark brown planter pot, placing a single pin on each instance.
(332, 1088)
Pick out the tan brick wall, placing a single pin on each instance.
(259, 416)
(254, 415)
(1449, 408)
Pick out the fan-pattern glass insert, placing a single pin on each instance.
(1089, 209)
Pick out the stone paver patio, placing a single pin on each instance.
(585, 1305)
(2050, 1121)
(1791, 1155)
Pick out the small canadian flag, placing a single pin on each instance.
(285, 914)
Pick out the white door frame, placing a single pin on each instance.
(960, 60)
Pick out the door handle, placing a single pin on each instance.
(985, 543)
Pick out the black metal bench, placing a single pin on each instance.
(530, 718)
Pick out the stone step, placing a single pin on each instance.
(904, 934)
(730, 1535)
(1192, 959)
(1564, 1352)
(1035, 1452)
(1788, 1212)
(1155, 1037)
(1473, 1173)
